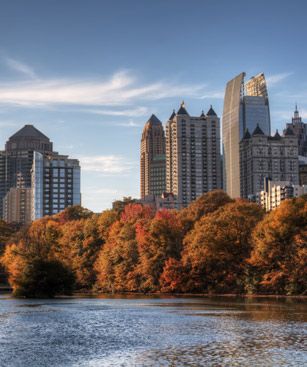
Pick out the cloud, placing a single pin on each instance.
(133, 112)
(122, 88)
(276, 78)
(214, 95)
(106, 164)
(20, 67)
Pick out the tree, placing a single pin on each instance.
(158, 240)
(44, 278)
(78, 247)
(215, 251)
(280, 249)
(205, 204)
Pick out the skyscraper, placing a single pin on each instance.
(152, 158)
(193, 160)
(25, 181)
(245, 107)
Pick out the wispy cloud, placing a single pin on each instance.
(219, 94)
(106, 164)
(20, 67)
(120, 89)
(133, 112)
(277, 78)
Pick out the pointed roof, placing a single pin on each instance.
(276, 136)
(258, 131)
(153, 120)
(202, 114)
(288, 131)
(211, 112)
(182, 110)
(172, 115)
(247, 135)
(29, 131)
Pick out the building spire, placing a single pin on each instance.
(296, 117)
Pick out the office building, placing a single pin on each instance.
(263, 156)
(24, 178)
(55, 184)
(152, 158)
(246, 105)
(193, 159)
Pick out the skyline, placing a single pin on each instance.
(93, 97)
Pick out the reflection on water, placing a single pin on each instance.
(155, 331)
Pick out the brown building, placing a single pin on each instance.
(152, 158)
(17, 205)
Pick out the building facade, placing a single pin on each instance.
(193, 159)
(55, 184)
(245, 106)
(275, 192)
(24, 177)
(263, 156)
(152, 160)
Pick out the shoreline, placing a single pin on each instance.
(8, 290)
(184, 295)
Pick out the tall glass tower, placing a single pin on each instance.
(246, 105)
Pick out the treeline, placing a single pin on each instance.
(216, 245)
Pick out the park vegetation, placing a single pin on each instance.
(216, 245)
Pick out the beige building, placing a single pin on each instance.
(193, 159)
(17, 205)
(152, 158)
(263, 156)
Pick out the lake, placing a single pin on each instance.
(153, 331)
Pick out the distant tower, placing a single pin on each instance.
(193, 159)
(152, 158)
(299, 129)
(245, 107)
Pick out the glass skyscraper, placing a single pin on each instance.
(246, 105)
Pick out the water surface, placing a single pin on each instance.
(156, 331)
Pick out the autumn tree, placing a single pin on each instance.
(158, 240)
(205, 204)
(215, 251)
(117, 261)
(280, 249)
(78, 248)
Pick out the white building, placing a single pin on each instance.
(276, 191)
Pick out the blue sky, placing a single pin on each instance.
(90, 73)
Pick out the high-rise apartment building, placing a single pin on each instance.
(193, 159)
(263, 156)
(152, 158)
(246, 105)
(25, 179)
